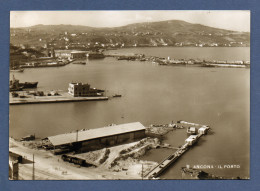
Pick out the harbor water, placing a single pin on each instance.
(153, 94)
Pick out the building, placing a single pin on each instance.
(192, 130)
(50, 52)
(83, 90)
(191, 139)
(79, 54)
(73, 54)
(99, 138)
(14, 160)
(65, 54)
(203, 130)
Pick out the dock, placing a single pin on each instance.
(162, 166)
(27, 98)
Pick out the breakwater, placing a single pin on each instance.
(181, 62)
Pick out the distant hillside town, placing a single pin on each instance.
(29, 45)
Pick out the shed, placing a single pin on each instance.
(106, 135)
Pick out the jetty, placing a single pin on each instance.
(167, 162)
(181, 62)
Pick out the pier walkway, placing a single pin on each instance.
(162, 166)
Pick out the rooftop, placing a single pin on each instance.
(78, 83)
(192, 137)
(203, 128)
(95, 133)
(77, 52)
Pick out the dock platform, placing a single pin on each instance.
(62, 97)
(162, 166)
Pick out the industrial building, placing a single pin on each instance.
(65, 54)
(79, 54)
(73, 54)
(93, 139)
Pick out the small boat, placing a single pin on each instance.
(17, 70)
(117, 95)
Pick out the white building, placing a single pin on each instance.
(83, 90)
(191, 139)
(203, 130)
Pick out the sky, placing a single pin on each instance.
(231, 20)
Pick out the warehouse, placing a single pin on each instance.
(93, 139)
(79, 54)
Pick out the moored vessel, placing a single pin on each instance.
(15, 85)
(117, 95)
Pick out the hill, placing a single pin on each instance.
(163, 33)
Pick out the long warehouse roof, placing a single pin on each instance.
(85, 135)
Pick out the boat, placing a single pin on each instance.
(17, 70)
(117, 95)
(15, 85)
(83, 63)
(29, 84)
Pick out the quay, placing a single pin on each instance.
(28, 98)
(189, 142)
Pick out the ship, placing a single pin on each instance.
(29, 84)
(15, 85)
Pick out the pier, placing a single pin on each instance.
(28, 98)
(189, 142)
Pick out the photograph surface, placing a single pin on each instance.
(109, 95)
